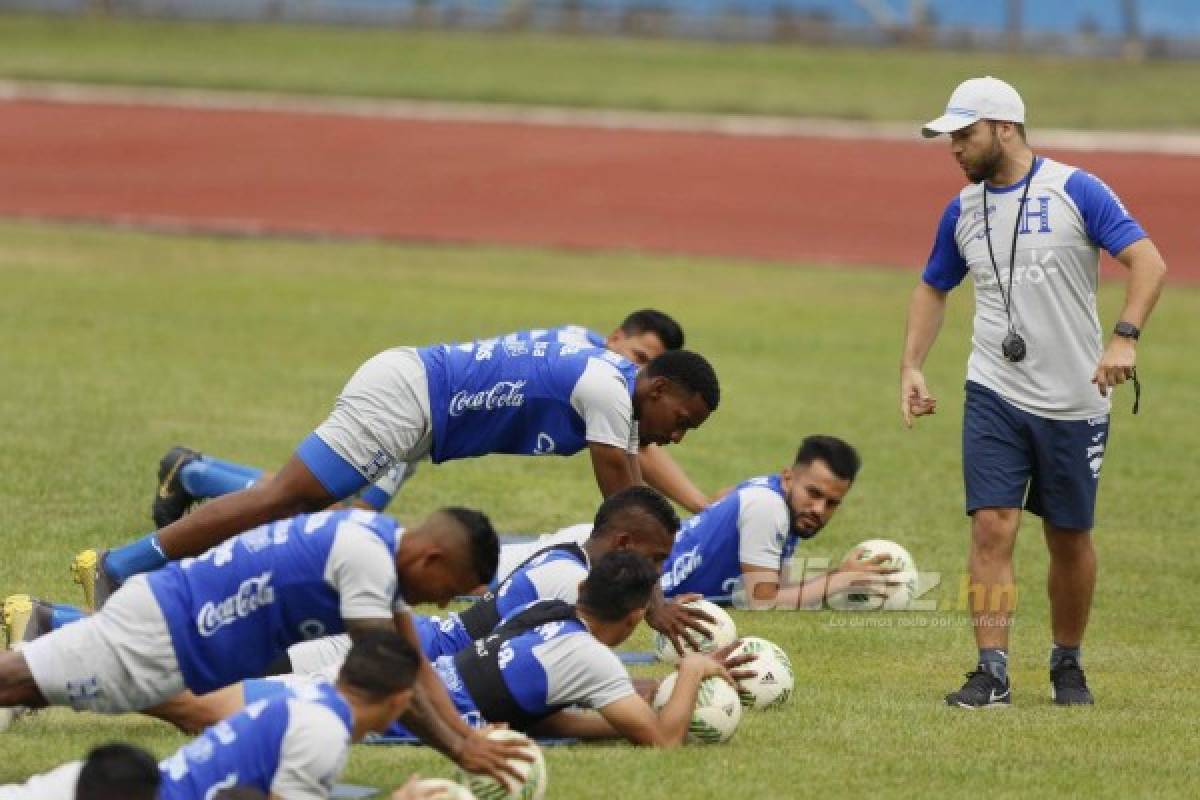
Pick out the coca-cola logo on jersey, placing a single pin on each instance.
(253, 594)
(505, 394)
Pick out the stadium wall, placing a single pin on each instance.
(1129, 28)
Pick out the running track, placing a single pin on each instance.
(783, 198)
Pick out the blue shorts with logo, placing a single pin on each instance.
(1014, 459)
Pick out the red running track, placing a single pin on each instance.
(790, 199)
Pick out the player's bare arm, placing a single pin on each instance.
(926, 310)
(1147, 274)
(634, 719)
(661, 471)
(612, 467)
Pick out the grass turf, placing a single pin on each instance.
(118, 345)
(852, 83)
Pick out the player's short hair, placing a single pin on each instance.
(483, 543)
(649, 320)
(842, 459)
(690, 371)
(118, 772)
(640, 499)
(618, 583)
(380, 663)
(240, 793)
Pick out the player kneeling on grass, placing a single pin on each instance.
(548, 668)
(208, 622)
(292, 746)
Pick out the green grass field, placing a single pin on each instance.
(590, 72)
(117, 345)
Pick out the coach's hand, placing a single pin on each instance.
(915, 400)
(673, 620)
(486, 756)
(1116, 364)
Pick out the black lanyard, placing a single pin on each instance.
(1012, 256)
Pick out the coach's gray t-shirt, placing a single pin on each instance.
(1068, 216)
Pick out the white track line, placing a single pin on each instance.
(1186, 144)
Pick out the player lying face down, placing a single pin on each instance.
(255, 595)
(293, 746)
(748, 537)
(548, 660)
(637, 519)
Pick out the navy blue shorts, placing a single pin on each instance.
(1014, 459)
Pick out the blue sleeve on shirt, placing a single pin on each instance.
(1107, 222)
(946, 267)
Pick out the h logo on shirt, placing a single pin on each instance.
(1041, 213)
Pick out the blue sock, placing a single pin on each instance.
(994, 661)
(211, 477)
(144, 555)
(1058, 653)
(64, 614)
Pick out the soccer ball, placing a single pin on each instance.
(773, 679)
(897, 557)
(442, 789)
(721, 633)
(718, 709)
(534, 778)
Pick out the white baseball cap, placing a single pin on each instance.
(976, 99)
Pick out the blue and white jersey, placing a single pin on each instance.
(563, 334)
(234, 609)
(555, 665)
(1068, 216)
(527, 398)
(552, 575)
(294, 746)
(750, 525)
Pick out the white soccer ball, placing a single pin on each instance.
(443, 789)
(773, 679)
(718, 709)
(534, 778)
(720, 634)
(899, 558)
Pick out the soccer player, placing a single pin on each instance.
(745, 539)
(1029, 231)
(638, 519)
(207, 622)
(293, 746)
(549, 665)
(110, 772)
(450, 402)
(186, 476)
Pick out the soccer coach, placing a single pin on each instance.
(1035, 425)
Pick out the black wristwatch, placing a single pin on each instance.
(1127, 329)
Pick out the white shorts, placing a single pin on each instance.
(119, 659)
(382, 414)
(316, 656)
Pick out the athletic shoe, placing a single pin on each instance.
(172, 501)
(87, 569)
(1068, 686)
(25, 619)
(982, 690)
